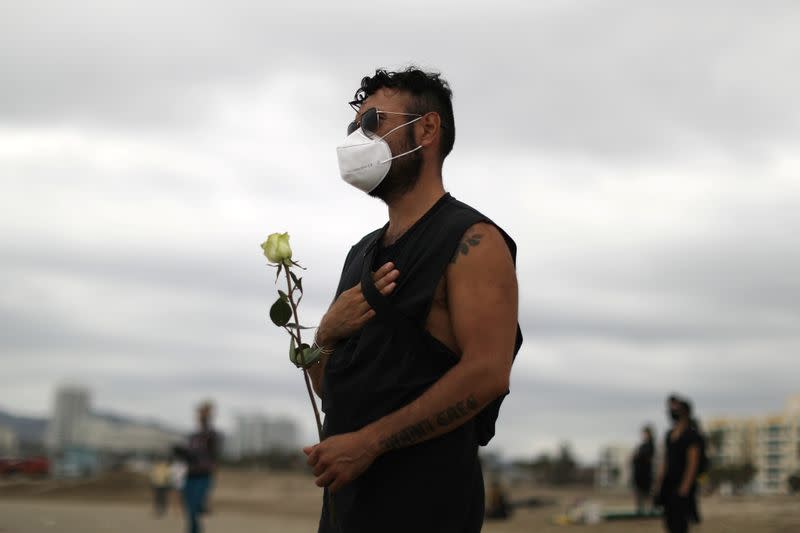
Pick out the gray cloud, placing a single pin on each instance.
(681, 80)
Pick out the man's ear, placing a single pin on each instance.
(429, 129)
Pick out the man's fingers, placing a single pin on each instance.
(362, 308)
(313, 457)
(369, 315)
(319, 469)
(325, 479)
(382, 271)
(388, 288)
(387, 278)
(337, 484)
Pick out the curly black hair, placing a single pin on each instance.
(429, 92)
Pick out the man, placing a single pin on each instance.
(643, 469)
(423, 330)
(677, 483)
(201, 456)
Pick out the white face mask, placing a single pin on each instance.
(365, 161)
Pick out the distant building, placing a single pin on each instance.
(257, 434)
(71, 404)
(614, 467)
(732, 441)
(770, 443)
(9, 444)
(74, 426)
(121, 437)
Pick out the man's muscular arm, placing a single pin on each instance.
(482, 298)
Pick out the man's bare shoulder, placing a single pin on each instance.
(482, 243)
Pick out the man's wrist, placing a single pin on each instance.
(322, 339)
(371, 439)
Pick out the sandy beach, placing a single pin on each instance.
(264, 501)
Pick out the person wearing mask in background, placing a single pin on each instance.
(678, 477)
(201, 455)
(643, 469)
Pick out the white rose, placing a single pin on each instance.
(277, 250)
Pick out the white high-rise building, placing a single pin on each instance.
(71, 404)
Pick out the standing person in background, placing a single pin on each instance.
(160, 483)
(201, 456)
(643, 469)
(678, 476)
(177, 475)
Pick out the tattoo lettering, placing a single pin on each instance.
(420, 431)
(408, 436)
(459, 410)
(463, 247)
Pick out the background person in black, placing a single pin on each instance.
(678, 477)
(643, 469)
(411, 389)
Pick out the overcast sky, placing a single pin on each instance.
(644, 156)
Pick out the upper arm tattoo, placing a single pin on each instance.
(463, 247)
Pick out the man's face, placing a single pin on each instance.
(672, 408)
(404, 171)
(203, 417)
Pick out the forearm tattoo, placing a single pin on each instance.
(463, 247)
(421, 430)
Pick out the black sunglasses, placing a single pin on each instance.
(370, 120)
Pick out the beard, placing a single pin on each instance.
(403, 173)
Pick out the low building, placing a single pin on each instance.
(122, 437)
(78, 435)
(257, 434)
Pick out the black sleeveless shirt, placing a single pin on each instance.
(436, 485)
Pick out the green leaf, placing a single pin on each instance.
(306, 357)
(311, 356)
(297, 281)
(301, 356)
(280, 312)
(283, 295)
(292, 350)
(280, 266)
(293, 325)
